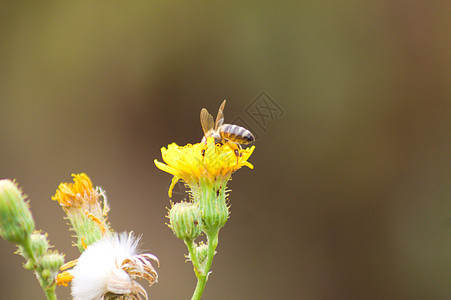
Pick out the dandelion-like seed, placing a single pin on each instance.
(108, 269)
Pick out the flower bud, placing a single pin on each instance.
(201, 253)
(39, 244)
(213, 208)
(48, 267)
(52, 262)
(185, 220)
(16, 222)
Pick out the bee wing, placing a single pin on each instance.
(220, 116)
(206, 120)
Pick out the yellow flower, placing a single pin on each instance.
(202, 162)
(77, 193)
(86, 211)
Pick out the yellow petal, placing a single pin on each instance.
(173, 183)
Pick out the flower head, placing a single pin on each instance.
(107, 269)
(76, 194)
(86, 208)
(206, 168)
(202, 162)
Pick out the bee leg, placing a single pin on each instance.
(204, 141)
(235, 147)
(238, 151)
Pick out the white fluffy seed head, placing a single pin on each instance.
(100, 269)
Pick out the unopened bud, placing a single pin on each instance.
(201, 253)
(185, 220)
(39, 244)
(52, 262)
(16, 222)
(214, 210)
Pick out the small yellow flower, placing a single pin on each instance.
(77, 193)
(202, 162)
(86, 208)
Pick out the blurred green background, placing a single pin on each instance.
(349, 198)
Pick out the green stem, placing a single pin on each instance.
(48, 290)
(212, 244)
(192, 253)
(26, 246)
(200, 286)
(202, 276)
(50, 293)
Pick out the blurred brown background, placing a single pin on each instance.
(349, 198)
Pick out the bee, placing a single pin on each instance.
(232, 135)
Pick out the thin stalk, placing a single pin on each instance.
(26, 246)
(48, 290)
(202, 276)
(200, 286)
(193, 256)
(50, 293)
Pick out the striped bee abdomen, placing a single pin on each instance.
(236, 134)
